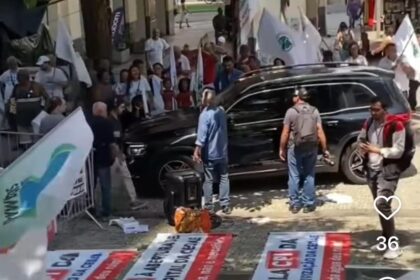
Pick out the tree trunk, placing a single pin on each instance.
(97, 25)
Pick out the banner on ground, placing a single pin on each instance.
(89, 264)
(182, 256)
(80, 186)
(304, 256)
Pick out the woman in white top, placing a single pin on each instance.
(156, 80)
(120, 88)
(137, 84)
(355, 56)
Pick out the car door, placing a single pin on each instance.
(255, 123)
(341, 105)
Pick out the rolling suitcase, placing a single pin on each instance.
(183, 188)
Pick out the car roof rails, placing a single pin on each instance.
(266, 69)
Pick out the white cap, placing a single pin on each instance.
(42, 59)
(221, 40)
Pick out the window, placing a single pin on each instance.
(322, 97)
(356, 95)
(262, 106)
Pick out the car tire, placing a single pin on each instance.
(347, 160)
(184, 162)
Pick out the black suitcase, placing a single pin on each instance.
(182, 189)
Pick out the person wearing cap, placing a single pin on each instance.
(219, 23)
(399, 64)
(212, 151)
(8, 80)
(27, 101)
(301, 155)
(51, 78)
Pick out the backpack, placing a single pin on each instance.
(189, 220)
(305, 131)
(409, 146)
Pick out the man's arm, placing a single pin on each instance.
(398, 143)
(285, 134)
(201, 137)
(60, 78)
(165, 44)
(320, 130)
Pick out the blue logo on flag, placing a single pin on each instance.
(21, 198)
(285, 42)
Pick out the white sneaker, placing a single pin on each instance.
(375, 249)
(392, 254)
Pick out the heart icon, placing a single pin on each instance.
(393, 213)
(387, 278)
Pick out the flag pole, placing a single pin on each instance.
(406, 45)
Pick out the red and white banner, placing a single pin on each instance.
(89, 264)
(182, 256)
(305, 256)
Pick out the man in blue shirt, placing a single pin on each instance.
(226, 76)
(211, 150)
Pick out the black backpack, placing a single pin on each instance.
(409, 146)
(305, 131)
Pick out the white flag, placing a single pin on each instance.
(408, 45)
(248, 9)
(199, 76)
(311, 38)
(64, 50)
(32, 195)
(172, 70)
(277, 39)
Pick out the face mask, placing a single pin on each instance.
(44, 67)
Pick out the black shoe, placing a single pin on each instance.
(309, 209)
(226, 210)
(294, 209)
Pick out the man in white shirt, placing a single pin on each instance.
(154, 48)
(8, 80)
(51, 78)
(183, 67)
(403, 71)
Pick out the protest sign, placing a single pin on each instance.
(88, 264)
(304, 256)
(182, 256)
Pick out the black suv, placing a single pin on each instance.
(255, 107)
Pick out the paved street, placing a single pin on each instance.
(260, 207)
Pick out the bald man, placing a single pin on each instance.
(105, 150)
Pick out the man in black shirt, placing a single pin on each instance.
(105, 150)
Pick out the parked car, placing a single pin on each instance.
(255, 108)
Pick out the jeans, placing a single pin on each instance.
(379, 186)
(104, 176)
(301, 173)
(216, 171)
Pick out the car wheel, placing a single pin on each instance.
(170, 163)
(352, 165)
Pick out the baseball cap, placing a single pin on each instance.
(221, 40)
(42, 59)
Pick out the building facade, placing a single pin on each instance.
(141, 17)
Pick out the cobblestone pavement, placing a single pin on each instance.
(260, 207)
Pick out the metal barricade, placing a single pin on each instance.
(12, 146)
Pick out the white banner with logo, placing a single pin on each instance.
(88, 264)
(304, 256)
(80, 186)
(182, 256)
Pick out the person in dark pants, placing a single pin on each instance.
(412, 94)
(211, 150)
(105, 151)
(382, 141)
(219, 24)
(302, 131)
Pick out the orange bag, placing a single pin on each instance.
(189, 220)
